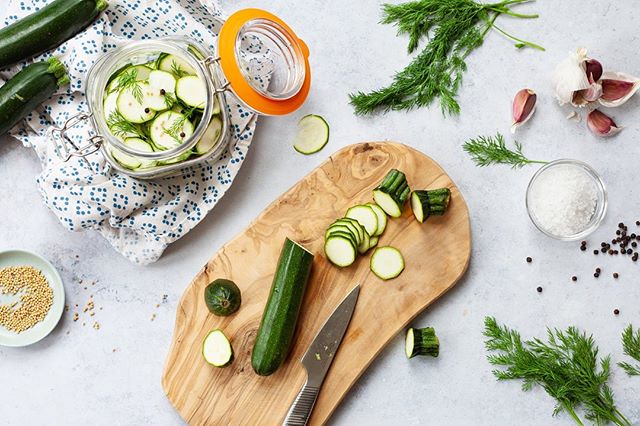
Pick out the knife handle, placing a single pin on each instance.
(300, 410)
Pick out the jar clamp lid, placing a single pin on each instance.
(272, 76)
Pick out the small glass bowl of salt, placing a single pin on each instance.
(566, 200)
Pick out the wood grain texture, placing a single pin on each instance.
(436, 254)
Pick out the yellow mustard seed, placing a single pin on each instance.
(35, 297)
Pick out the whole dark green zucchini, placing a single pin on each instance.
(29, 88)
(281, 313)
(47, 28)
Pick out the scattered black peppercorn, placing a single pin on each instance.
(539, 289)
(596, 275)
(574, 278)
(162, 92)
(637, 222)
(621, 225)
(598, 270)
(618, 232)
(529, 260)
(182, 135)
(629, 251)
(615, 275)
(616, 311)
(596, 252)
(583, 248)
(147, 110)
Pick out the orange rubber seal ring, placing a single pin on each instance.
(231, 70)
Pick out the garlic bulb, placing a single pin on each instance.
(570, 76)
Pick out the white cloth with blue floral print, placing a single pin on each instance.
(139, 218)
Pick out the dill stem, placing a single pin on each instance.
(537, 162)
(572, 413)
(621, 417)
(507, 11)
(526, 43)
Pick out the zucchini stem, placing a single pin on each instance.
(101, 5)
(57, 68)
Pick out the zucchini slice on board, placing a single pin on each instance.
(280, 316)
(392, 193)
(217, 349)
(340, 250)
(382, 218)
(387, 262)
(422, 341)
(312, 135)
(430, 203)
(366, 216)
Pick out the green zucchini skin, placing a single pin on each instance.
(47, 28)
(29, 88)
(280, 316)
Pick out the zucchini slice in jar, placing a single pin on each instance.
(192, 91)
(169, 129)
(175, 65)
(210, 136)
(130, 106)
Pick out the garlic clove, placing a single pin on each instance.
(585, 96)
(601, 124)
(571, 76)
(524, 105)
(593, 68)
(617, 88)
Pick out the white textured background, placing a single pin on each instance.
(77, 379)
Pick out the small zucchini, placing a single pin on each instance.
(222, 297)
(280, 316)
(29, 88)
(422, 341)
(47, 28)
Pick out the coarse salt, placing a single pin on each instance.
(563, 199)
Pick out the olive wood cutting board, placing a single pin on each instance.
(436, 255)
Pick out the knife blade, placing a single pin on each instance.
(319, 357)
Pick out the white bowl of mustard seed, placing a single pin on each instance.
(31, 298)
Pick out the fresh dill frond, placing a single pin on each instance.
(177, 71)
(487, 150)
(567, 367)
(177, 126)
(129, 81)
(631, 346)
(170, 100)
(119, 126)
(454, 28)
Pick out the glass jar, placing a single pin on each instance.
(258, 58)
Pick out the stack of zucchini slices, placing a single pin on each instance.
(363, 224)
(157, 106)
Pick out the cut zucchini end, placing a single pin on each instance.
(340, 250)
(387, 262)
(313, 134)
(387, 203)
(217, 349)
(409, 343)
(416, 207)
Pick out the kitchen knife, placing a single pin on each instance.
(318, 358)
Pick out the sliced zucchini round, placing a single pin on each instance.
(141, 71)
(382, 218)
(387, 262)
(340, 250)
(176, 66)
(344, 233)
(210, 137)
(141, 145)
(373, 241)
(355, 228)
(364, 245)
(217, 349)
(110, 104)
(366, 216)
(312, 136)
(359, 228)
(126, 160)
(153, 98)
(167, 132)
(162, 80)
(192, 91)
(130, 107)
